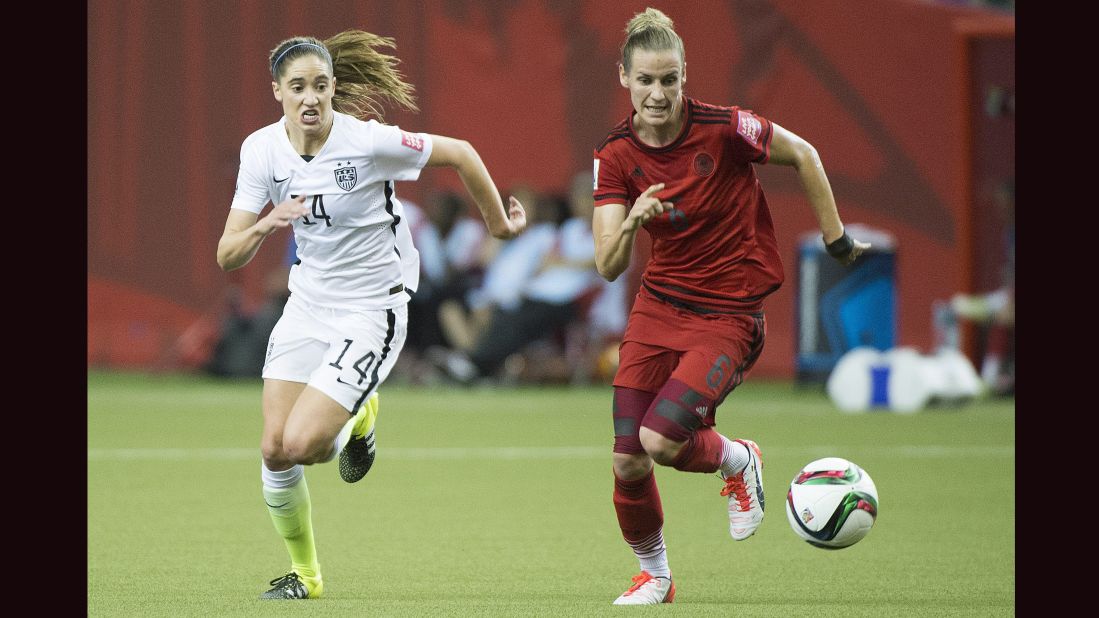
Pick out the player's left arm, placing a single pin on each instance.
(787, 148)
(503, 222)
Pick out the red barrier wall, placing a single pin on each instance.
(173, 89)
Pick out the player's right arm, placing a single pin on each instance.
(615, 230)
(245, 231)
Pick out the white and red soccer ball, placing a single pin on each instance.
(832, 503)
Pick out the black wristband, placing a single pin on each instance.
(840, 247)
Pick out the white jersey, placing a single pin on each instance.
(354, 246)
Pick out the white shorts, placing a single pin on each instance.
(345, 354)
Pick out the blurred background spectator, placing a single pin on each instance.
(450, 238)
(547, 301)
(991, 312)
(242, 333)
(508, 266)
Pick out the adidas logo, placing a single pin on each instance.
(701, 410)
(637, 173)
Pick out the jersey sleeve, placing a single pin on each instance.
(751, 135)
(400, 155)
(252, 191)
(610, 186)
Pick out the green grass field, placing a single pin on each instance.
(498, 503)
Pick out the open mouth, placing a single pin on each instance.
(310, 117)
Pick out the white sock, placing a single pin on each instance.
(997, 300)
(652, 554)
(281, 479)
(734, 457)
(658, 566)
(990, 369)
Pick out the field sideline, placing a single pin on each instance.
(497, 503)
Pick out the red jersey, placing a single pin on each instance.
(716, 248)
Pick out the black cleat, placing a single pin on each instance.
(357, 457)
(289, 586)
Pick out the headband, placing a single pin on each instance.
(279, 57)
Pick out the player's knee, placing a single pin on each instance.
(660, 448)
(274, 456)
(631, 466)
(304, 448)
(676, 413)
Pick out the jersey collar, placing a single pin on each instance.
(678, 138)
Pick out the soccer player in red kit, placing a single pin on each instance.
(683, 169)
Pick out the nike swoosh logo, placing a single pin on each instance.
(278, 506)
(278, 180)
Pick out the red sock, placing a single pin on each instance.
(702, 453)
(998, 340)
(637, 504)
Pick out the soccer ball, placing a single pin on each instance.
(832, 503)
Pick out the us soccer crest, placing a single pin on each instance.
(346, 177)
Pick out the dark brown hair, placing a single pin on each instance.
(363, 74)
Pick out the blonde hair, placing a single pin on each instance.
(363, 74)
(651, 30)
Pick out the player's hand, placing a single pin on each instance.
(846, 249)
(646, 208)
(282, 215)
(517, 218)
(858, 249)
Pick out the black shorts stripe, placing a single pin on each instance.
(391, 319)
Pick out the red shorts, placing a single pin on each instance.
(709, 352)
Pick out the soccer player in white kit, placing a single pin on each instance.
(331, 178)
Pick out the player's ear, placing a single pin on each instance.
(622, 77)
(276, 91)
(683, 74)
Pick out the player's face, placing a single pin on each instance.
(655, 81)
(305, 90)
